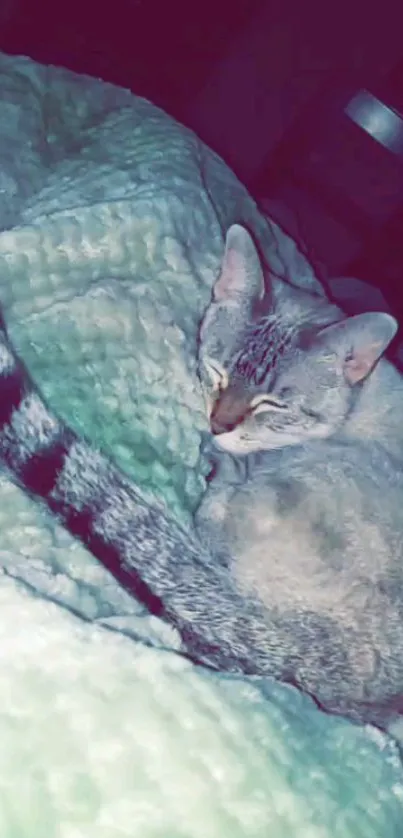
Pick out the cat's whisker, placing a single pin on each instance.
(218, 374)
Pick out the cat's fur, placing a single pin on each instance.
(297, 567)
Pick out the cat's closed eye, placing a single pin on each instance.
(265, 401)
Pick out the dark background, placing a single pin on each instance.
(161, 50)
(265, 84)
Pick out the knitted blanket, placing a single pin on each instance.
(112, 221)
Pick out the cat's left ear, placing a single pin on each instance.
(236, 301)
(359, 342)
(241, 276)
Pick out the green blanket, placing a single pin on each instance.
(113, 220)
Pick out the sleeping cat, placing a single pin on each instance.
(295, 566)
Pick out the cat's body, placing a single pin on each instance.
(331, 515)
(297, 569)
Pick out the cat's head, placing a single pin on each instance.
(277, 369)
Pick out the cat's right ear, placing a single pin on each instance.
(241, 277)
(359, 342)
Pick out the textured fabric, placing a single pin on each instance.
(115, 218)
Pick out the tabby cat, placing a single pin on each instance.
(294, 568)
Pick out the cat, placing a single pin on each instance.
(294, 566)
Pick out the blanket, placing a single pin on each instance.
(112, 222)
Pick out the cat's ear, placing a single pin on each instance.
(236, 301)
(359, 342)
(241, 276)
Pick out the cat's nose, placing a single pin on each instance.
(218, 426)
(228, 411)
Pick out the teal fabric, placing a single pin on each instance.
(113, 219)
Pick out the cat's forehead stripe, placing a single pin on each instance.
(267, 342)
